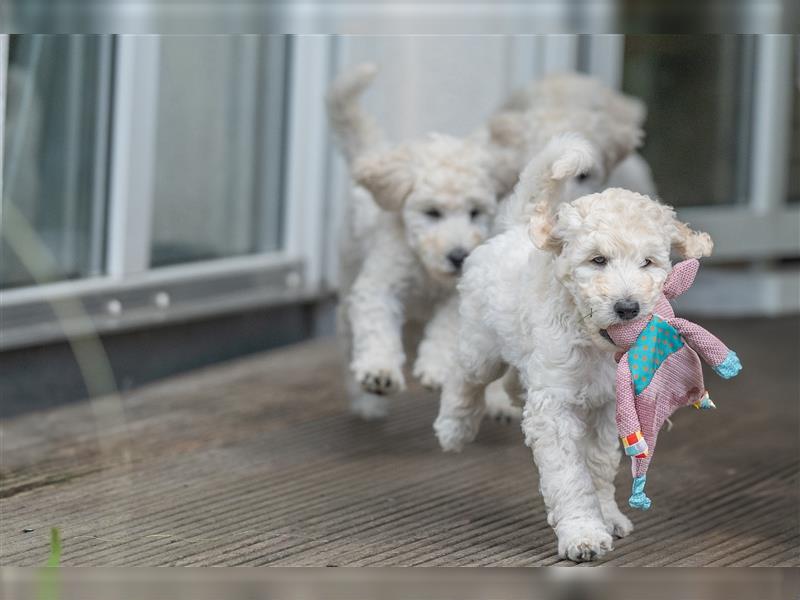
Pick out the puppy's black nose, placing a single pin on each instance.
(626, 309)
(457, 257)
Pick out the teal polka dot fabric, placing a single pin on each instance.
(657, 341)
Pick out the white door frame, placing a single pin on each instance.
(3, 93)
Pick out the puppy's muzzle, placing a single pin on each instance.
(457, 258)
(626, 309)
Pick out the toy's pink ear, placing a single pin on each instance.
(681, 278)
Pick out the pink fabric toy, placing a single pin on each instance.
(660, 371)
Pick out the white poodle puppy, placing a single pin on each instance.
(574, 91)
(417, 211)
(519, 136)
(539, 297)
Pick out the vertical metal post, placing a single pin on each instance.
(97, 233)
(3, 93)
(771, 123)
(560, 53)
(307, 150)
(605, 59)
(133, 152)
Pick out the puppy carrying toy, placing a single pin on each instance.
(660, 371)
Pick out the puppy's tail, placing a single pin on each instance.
(354, 130)
(544, 179)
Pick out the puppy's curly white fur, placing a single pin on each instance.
(536, 298)
(418, 209)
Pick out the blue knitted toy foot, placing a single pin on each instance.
(729, 367)
(638, 498)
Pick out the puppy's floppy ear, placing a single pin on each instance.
(689, 243)
(684, 241)
(387, 174)
(542, 229)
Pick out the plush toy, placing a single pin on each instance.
(660, 371)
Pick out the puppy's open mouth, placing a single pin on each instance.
(605, 335)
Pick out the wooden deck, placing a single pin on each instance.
(256, 462)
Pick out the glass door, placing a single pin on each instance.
(149, 178)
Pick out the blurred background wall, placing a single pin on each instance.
(177, 198)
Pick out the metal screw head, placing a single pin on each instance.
(162, 300)
(114, 307)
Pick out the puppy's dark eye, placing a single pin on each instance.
(433, 213)
(474, 213)
(581, 177)
(647, 262)
(599, 260)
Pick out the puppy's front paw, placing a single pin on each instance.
(581, 541)
(454, 432)
(430, 376)
(382, 380)
(617, 524)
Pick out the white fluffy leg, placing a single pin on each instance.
(475, 365)
(603, 456)
(364, 405)
(555, 431)
(460, 413)
(462, 406)
(375, 315)
(439, 345)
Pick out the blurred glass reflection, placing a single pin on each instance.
(212, 107)
(698, 91)
(56, 149)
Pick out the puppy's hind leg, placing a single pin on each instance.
(438, 347)
(462, 406)
(475, 365)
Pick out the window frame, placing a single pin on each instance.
(130, 293)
